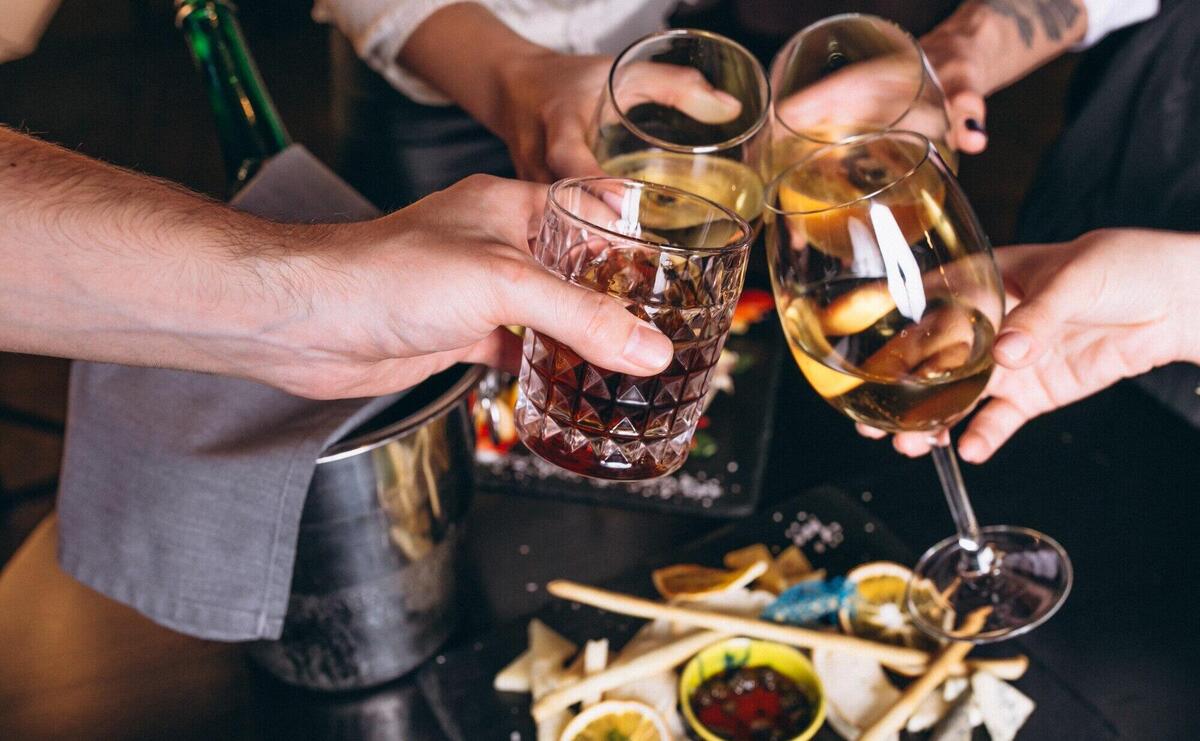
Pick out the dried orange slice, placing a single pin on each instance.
(857, 310)
(689, 581)
(771, 580)
(617, 720)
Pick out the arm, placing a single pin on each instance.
(1113, 304)
(102, 264)
(539, 101)
(988, 44)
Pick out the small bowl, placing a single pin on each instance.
(742, 652)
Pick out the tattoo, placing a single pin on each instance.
(1055, 16)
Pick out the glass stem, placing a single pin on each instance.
(960, 504)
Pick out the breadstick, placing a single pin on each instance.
(651, 662)
(953, 654)
(766, 630)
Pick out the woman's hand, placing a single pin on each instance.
(1112, 304)
(550, 100)
(540, 102)
(379, 306)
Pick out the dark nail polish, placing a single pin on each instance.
(974, 125)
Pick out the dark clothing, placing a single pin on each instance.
(395, 151)
(1129, 156)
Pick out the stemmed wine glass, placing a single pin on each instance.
(890, 298)
(699, 143)
(847, 75)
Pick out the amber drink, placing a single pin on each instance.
(675, 260)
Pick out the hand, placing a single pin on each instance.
(1110, 305)
(389, 302)
(954, 59)
(540, 102)
(985, 46)
(865, 96)
(549, 102)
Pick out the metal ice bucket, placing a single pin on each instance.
(373, 592)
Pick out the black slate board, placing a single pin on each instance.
(835, 532)
(728, 484)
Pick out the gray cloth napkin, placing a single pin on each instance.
(181, 492)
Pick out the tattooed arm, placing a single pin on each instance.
(988, 44)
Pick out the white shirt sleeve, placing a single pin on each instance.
(1106, 16)
(378, 29)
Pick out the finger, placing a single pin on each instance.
(567, 151)
(592, 324)
(989, 429)
(873, 433)
(968, 121)
(911, 444)
(509, 210)
(1047, 303)
(501, 349)
(683, 88)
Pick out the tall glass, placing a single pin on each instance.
(890, 299)
(848, 75)
(675, 260)
(651, 123)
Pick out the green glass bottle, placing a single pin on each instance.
(248, 125)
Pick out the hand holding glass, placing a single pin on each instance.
(675, 260)
(682, 108)
(890, 298)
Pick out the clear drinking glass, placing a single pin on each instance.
(652, 125)
(848, 75)
(675, 260)
(890, 299)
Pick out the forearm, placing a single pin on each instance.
(469, 73)
(1001, 41)
(103, 264)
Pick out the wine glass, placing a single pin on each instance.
(702, 142)
(890, 299)
(847, 75)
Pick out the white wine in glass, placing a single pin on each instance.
(700, 148)
(890, 299)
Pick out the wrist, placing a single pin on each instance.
(258, 298)
(968, 48)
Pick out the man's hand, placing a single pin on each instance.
(391, 301)
(989, 44)
(1112, 304)
(98, 263)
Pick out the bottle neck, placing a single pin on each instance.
(249, 127)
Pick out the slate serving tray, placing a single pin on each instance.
(727, 484)
(834, 531)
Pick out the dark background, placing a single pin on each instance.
(112, 79)
(1112, 478)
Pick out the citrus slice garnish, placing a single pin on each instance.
(688, 581)
(876, 610)
(617, 720)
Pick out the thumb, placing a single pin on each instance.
(1033, 272)
(592, 324)
(683, 88)
(1033, 326)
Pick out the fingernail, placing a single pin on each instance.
(974, 125)
(1013, 346)
(971, 448)
(648, 348)
(712, 106)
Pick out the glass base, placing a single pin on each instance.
(1019, 575)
